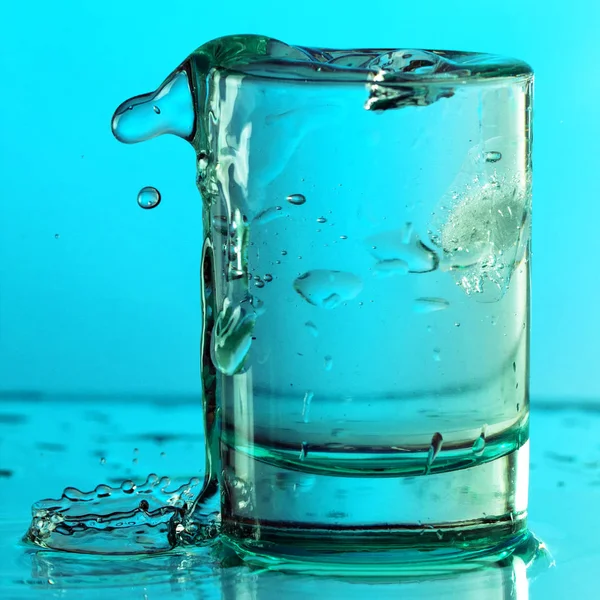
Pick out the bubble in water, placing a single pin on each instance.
(436, 445)
(312, 328)
(306, 406)
(232, 337)
(268, 277)
(56, 236)
(394, 266)
(296, 199)
(437, 357)
(493, 156)
(148, 197)
(259, 283)
(303, 451)
(328, 363)
(321, 220)
(479, 443)
(103, 461)
(343, 237)
(404, 246)
(429, 305)
(328, 289)
(137, 119)
(268, 215)
(220, 224)
(284, 253)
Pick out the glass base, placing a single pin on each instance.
(401, 552)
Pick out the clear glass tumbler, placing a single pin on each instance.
(366, 297)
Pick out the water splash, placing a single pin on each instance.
(137, 120)
(130, 519)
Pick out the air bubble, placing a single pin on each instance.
(296, 199)
(328, 289)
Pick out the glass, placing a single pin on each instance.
(365, 292)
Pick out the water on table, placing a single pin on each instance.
(52, 442)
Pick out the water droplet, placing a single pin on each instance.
(128, 487)
(268, 277)
(144, 505)
(479, 443)
(296, 199)
(328, 289)
(414, 256)
(328, 363)
(303, 451)
(306, 406)
(492, 157)
(394, 266)
(268, 215)
(137, 120)
(232, 337)
(312, 328)
(221, 224)
(148, 197)
(436, 445)
(156, 109)
(437, 357)
(429, 305)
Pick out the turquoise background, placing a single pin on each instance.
(111, 305)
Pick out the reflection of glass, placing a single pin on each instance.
(365, 277)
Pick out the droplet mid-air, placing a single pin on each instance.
(148, 197)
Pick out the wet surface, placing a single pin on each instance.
(48, 445)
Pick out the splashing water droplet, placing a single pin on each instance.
(306, 406)
(232, 337)
(137, 120)
(321, 220)
(429, 305)
(436, 445)
(328, 363)
(296, 199)
(328, 289)
(312, 328)
(148, 197)
(492, 157)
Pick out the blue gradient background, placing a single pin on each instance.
(111, 306)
